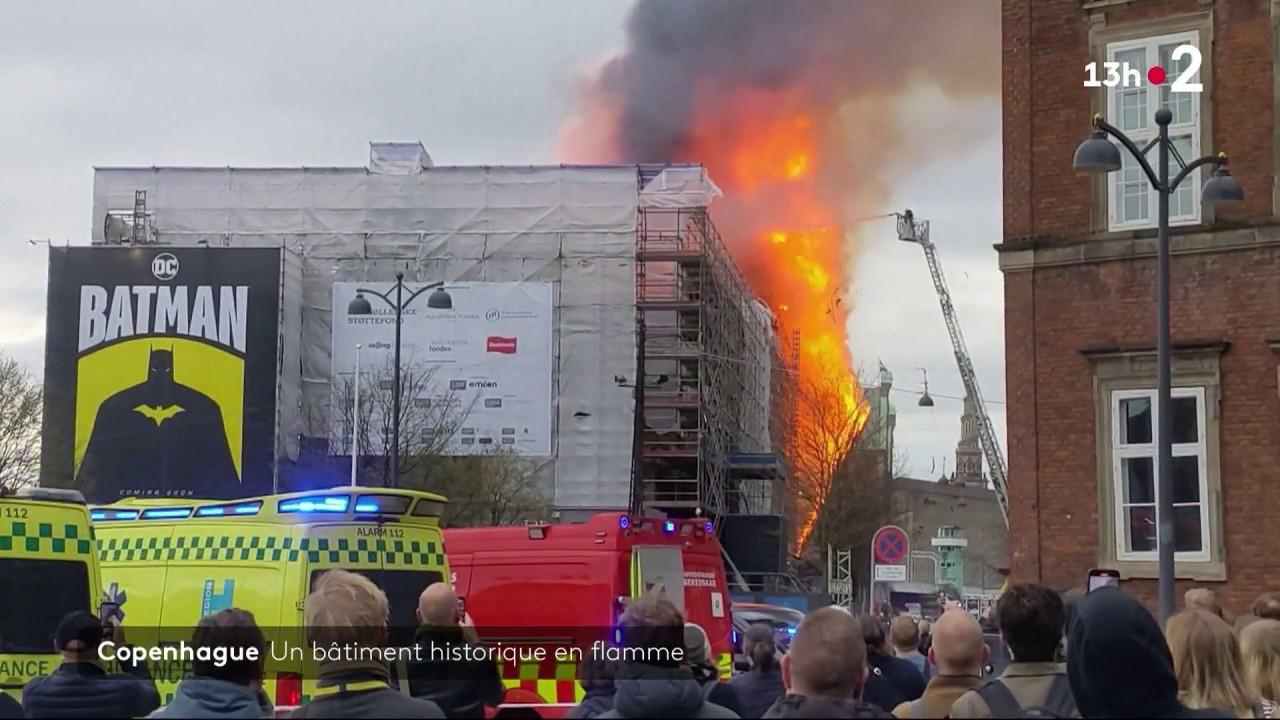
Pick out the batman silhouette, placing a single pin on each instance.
(158, 438)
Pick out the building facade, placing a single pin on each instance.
(927, 510)
(1078, 258)
(969, 449)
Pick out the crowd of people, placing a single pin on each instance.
(1102, 656)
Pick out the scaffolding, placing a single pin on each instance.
(711, 360)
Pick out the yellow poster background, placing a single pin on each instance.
(202, 367)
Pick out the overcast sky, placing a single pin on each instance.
(292, 83)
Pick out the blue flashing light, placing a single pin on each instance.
(166, 513)
(710, 527)
(791, 631)
(669, 526)
(366, 507)
(223, 510)
(113, 515)
(624, 522)
(325, 504)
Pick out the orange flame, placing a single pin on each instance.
(778, 219)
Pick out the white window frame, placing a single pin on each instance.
(1119, 453)
(1151, 46)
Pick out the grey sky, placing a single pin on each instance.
(294, 83)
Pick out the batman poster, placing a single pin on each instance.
(160, 371)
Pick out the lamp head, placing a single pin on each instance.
(440, 300)
(1221, 187)
(1097, 154)
(359, 305)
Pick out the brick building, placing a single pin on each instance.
(1078, 258)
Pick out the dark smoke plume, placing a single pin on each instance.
(685, 56)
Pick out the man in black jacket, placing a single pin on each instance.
(461, 688)
(80, 688)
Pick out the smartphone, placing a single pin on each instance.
(109, 611)
(1099, 578)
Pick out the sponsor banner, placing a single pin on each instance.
(160, 371)
(488, 358)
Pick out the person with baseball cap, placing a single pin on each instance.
(80, 687)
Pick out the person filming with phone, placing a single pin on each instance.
(462, 688)
(80, 687)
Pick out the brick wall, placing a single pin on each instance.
(1054, 312)
(1047, 108)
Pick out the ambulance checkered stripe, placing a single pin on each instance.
(553, 682)
(271, 548)
(21, 536)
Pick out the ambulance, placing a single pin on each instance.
(48, 568)
(166, 564)
(567, 585)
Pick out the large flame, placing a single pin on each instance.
(779, 222)
(790, 106)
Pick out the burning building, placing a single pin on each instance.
(632, 297)
(796, 109)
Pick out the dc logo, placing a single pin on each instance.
(164, 266)
(493, 315)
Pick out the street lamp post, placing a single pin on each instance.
(355, 419)
(438, 300)
(1097, 154)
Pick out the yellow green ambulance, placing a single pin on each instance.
(48, 568)
(166, 564)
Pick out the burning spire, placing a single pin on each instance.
(794, 109)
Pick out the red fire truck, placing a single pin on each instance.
(566, 585)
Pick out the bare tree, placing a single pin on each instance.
(496, 488)
(21, 401)
(432, 412)
(828, 424)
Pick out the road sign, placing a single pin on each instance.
(890, 546)
(891, 573)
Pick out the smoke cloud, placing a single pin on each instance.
(803, 111)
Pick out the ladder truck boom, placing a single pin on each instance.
(917, 231)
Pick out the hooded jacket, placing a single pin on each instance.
(821, 706)
(648, 691)
(594, 704)
(1118, 661)
(205, 697)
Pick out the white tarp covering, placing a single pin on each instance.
(489, 358)
(571, 226)
(678, 187)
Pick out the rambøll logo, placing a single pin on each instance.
(164, 266)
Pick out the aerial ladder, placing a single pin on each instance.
(917, 231)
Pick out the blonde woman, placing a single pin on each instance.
(1260, 645)
(1208, 664)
